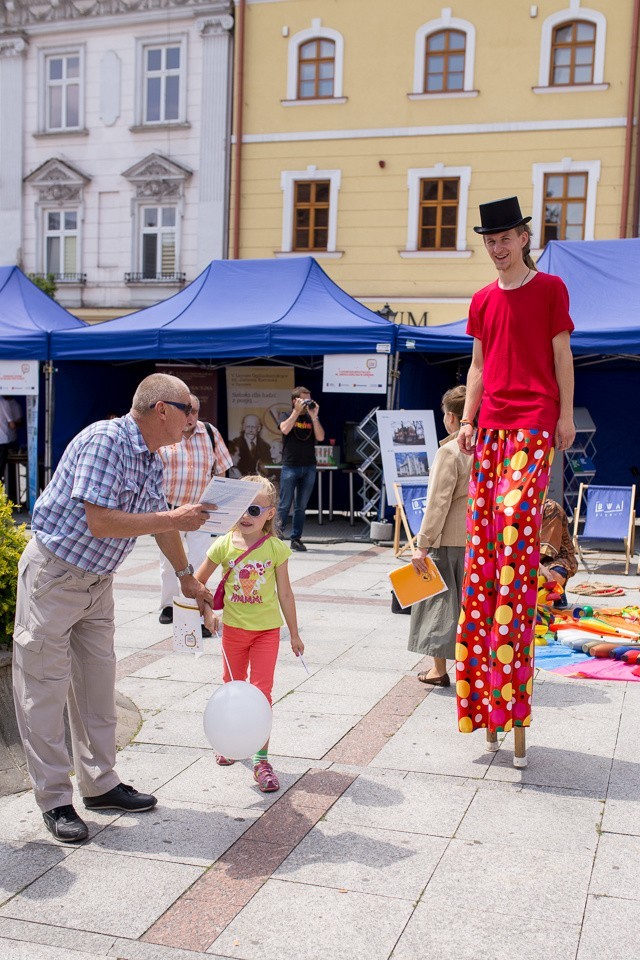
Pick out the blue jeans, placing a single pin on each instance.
(295, 482)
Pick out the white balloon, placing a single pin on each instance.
(237, 720)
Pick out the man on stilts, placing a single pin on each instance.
(521, 379)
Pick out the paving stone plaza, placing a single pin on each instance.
(393, 835)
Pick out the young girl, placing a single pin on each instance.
(255, 591)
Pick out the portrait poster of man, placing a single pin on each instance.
(258, 398)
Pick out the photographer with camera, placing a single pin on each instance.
(300, 431)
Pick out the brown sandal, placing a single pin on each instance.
(442, 681)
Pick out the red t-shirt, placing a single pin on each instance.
(516, 329)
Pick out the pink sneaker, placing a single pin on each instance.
(265, 777)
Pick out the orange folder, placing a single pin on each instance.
(411, 587)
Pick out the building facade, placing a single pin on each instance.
(115, 123)
(372, 130)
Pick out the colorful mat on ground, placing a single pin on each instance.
(553, 655)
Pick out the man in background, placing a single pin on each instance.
(300, 431)
(188, 467)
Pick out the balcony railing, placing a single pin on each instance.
(155, 278)
(63, 277)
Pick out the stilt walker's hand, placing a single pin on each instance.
(466, 438)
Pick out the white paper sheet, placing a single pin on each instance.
(232, 497)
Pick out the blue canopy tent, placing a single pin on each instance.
(28, 317)
(602, 277)
(239, 308)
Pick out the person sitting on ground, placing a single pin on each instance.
(442, 534)
(557, 553)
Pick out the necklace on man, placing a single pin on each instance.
(524, 278)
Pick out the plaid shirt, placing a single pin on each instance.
(190, 464)
(107, 464)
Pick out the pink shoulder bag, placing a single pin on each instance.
(218, 597)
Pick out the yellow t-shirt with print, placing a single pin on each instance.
(250, 596)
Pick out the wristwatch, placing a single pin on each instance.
(187, 572)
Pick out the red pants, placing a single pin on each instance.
(495, 644)
(252, 652)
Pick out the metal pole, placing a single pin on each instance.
(48, 420)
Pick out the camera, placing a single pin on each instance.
(310, 404)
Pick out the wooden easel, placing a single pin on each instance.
(401, 521)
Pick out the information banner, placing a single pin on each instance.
(258, 400)
(355, 373)
(408, 445)
(19, 377)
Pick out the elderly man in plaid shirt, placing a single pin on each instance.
(106, 491)
(188, 467)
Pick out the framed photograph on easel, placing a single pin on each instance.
(411, 502)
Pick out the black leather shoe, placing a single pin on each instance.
(65, 825)
(122, 797)
(299, 546)
(167, 615)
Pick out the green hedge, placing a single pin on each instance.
(13, 540)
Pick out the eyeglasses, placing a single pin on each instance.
(186, 408)
(255, 510)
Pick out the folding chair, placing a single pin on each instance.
(610, 521)
(410, 504)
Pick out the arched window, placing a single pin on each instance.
(444, 61)
(444, 58)
(573, 48)
(316, 69)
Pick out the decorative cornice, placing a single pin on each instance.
(12, 46)
(158, 178)
(214, 26)
(58, 181)
(15, 14)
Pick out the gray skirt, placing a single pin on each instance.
(434, 622)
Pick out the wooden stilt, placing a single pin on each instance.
(519, 747)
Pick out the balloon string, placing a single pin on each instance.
(218, 637)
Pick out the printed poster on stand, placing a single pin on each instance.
(355, 373)
(258, 400)
(408, 445)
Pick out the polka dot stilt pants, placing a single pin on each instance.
(495, 643)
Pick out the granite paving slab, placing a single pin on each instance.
(551, 885)
(24, 863)
(390, 863)
(440, 930)
(154, 695)
(183, 729)
(301, 702)
(419, 803)
(72, 894)
(197, 834)
(344, 926)
(532, 818)
(583, 770)
(22, 821)
(436, 751)
(37, 936)
(368, 682)
(185, 667)
(617, 867)
(610, 929)
(11, 950)
(308, 734)
(205, 782)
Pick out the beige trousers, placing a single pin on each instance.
(63, 653)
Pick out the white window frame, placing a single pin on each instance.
(573, 12)
(140, 231)
(438, 172)
(142, 45)
(288, 179)
(44, 55)
(566, 165)
(445, 22)
(45, 210)
(315, 32)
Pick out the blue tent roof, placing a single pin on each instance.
(602, 277)
(27, 317)
(239, 308)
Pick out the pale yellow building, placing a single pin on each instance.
(372, 129)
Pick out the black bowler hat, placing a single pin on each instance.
(500, 215)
